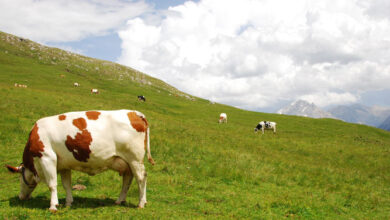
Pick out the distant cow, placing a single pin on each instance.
(222, 118)
(269, 125)
(94, 91)
(141, 98)
(20, 85)
(89, 142)
(76, 84)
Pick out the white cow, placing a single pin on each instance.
(94, 91)
(20, 85)
(222, 118)
(90, 142)
(266, 125)
(76, 84)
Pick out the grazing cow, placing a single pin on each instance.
(141, 98)
(222, 118)
(76, 84)
(90, 142)
(94, 91)
(269, 125)
(20, 85)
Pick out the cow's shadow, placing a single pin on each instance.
(42, 202)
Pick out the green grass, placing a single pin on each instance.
(311, 169)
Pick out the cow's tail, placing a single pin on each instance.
(148, 147)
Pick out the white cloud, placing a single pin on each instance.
(322, 99)
(66, 20)
(255, 54)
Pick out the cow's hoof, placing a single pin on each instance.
(24, 197)
(142, 205)
(119, 202)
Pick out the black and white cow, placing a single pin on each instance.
(141, 98)
(269, 125)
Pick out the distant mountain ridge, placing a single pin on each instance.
(304, 108)
(374, 116)
(361, 114)
(386, 124)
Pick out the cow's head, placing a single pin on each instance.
(258, 127)
(28, 181)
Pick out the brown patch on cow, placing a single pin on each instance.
(79, 145)
(80, 123)
(221, 118)
(139, 123)
(92, 115)
(62, 117)
(34, 148)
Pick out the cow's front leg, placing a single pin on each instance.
(49, 168)
(127, 178)
(138, 170)
(66, 179)
(54, 198)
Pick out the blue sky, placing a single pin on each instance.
(252, 54)
(165, 4)
(106, 47)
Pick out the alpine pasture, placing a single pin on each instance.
(309, 169)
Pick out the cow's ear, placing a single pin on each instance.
(14, 169)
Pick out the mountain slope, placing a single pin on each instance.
(71, 63)
(312, 168)
(386, 124)
(361, 114)
(303, 108)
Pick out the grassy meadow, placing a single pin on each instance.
(310, 169)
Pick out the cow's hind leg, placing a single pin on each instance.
(66, 180)
(127, 178)
(139, 172)
(124, 170)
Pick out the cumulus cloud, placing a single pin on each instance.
(255, 54)
(66, 20)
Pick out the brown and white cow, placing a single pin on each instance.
(90, 142)
(94, 91)
(222, 118)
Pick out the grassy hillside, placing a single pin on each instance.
(311, 169)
